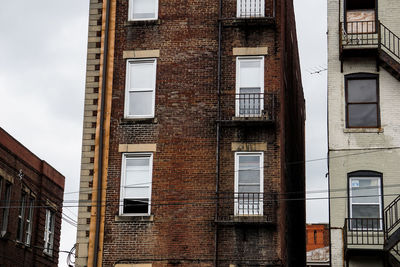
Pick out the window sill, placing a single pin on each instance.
(122, 218)
(130, 121)
(363, 130)
(149, 22)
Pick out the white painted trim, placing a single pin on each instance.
(125, 156)
(261, 81)
(130, 12)
(127, 89)
(236, 175)
(379, 196)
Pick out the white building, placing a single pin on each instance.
(364, 131)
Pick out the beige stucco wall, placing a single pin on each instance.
(350, 150)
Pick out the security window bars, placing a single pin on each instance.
(21, 218)
(140, 88)
(249, 86)
(49, 232)
(29, 218)
(136, 184)
(250, 8)
(249, 186)
(362, 101)
(143, 9)
(6, 209)
(365, 202)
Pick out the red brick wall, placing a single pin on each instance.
(182, 232)
(43, 188)
(317, 236)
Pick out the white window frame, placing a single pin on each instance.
(6, 210)
(128, 78)
(130, 12)
(21, 218)
(238, 82)
(126, 156)
(49, 232)
(379, 198)
(239, 14)
(29, 222)
(236, 193)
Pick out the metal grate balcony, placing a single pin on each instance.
(364, 231)
(234, 207)
(359, 33)
(248, 107)
(250, 8)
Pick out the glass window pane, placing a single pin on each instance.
(249, 162)
(361, 90)
(249, 176)
(137, 192)
(365, 211)
(140, 103)
(250, 73)
(362, 115)
(249, 188)
(141, 74)
(138, 163)
(136, 205)
(144, 9)
(365, 187)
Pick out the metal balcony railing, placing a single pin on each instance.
(364, 231)
(392, 216)
(248, 107)
(250, 8)
(359, 33)
(235, 207)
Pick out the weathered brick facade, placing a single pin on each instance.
(41, 183)
(195, 146)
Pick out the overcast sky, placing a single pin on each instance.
(42, 80)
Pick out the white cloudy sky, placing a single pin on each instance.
(42, 77)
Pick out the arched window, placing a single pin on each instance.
(365, 199)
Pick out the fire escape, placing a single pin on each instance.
(362, 34)
(238, 110)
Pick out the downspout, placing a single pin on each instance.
(218, 133)
(101, 137)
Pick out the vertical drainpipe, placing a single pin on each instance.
(101, 137)
(218, 132)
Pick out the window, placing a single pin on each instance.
(360, 16)
(136, 184)
(21, 218)
(6, 209)
(362, 101)
(250, 8)
(249, 183)
(143, 9)
(365, 200)
(49, 232)
(29, 218)
(140, 88)
(249, 86)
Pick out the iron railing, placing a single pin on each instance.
(392, 218)
(369, 33)
(246, 207)
(359, 33)
(248, 106)
(364, 231)
(251, 8)
(389, 40)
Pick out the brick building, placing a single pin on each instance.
(193, 135)
(317, 236)
(31, 193)
(363, 132)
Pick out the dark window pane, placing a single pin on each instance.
(360, 4)
(361, 90)
(362, 115)
(136, 205)
(366, 211)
